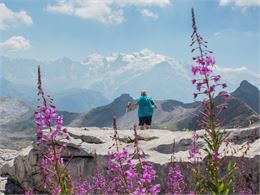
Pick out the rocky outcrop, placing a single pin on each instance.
(89, 146)
(15, 114)
(6, 185)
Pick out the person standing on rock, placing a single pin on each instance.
(145, 110)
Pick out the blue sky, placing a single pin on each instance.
(48, 30)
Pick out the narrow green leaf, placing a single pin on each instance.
(231, 181)
(221, 188)
(229, 167)
(226, 191)
(208, 142)
(212, 187)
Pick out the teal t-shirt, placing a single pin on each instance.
(145, 106)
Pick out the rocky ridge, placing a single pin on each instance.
(6, 185)
(90, 145)
(249, 94)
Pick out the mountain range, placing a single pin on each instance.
(16, 122)
(164, 77)
(73, 100)
(173, 114)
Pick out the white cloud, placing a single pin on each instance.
(15, 43)
(8, 18)
(222, 31)
(100, 10)
(231, 70)
(143, 3)
(240, 3)
(148, 13)
(235, 75)
(105, 11)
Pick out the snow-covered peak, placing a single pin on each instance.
(131, 57)
(94, 60)
(112, 58)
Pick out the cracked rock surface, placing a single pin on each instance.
(90, 145)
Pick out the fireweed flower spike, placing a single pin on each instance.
(194, 150)
(175, 181)
(48, 130)
(124, 176)
(202, 68)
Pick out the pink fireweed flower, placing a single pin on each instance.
(99, 184)
(210, 90)
(209, 60)
(65, 130)
(53, 134)
(144, 182)
(175, 181)
(39, 136)
(198, 86)
(118, 173)
(224, 85)
(205, 70)
(82, 187)
(52, 111)
(131, 175)
(200, 61)
(193, 152)
(216, 78)
(148, 173)
(59, 121)
(121, 155)
(155, 189)
(131, 172)
(195, 69)
(37, 116)
(196, 136)
(140, 191)
(225, 95)
(194, 81)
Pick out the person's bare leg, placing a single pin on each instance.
(142, 127)
(148, 127)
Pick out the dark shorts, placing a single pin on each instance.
(145, 120)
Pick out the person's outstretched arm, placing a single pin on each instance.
(153, 104)
(131, 106)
